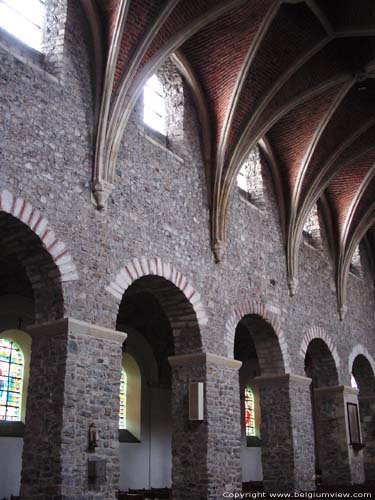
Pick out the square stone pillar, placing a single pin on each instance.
(206, 454)
(367, 412)
(339, 462)
(75, 373)
(288, 457)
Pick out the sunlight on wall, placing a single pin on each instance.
(24, 20)
(154, 105)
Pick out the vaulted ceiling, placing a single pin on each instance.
(298, 77)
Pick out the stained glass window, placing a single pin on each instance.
(11, 379)
(249, 412)
(122, 413)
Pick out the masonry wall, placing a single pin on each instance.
(158, 208)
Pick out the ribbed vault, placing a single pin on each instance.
(296, 76)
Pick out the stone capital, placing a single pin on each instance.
(76, 327)
(292, 285)
(219, 248)
(200, 358)
(339, 389)
(366, 399)
(101, 191)
(283, 378)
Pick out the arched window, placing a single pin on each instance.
(250, 179)
(249, 412)
(130, 400)
(24, 19)
(11, 381)
(356, 264)
(123, 387)
(311, 229)
(154, 105)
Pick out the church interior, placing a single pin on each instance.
(187, 248)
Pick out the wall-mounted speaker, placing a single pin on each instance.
(196, 401)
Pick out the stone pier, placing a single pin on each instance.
(286, 432)
(339, 461)
(74, 382)
(206, 454)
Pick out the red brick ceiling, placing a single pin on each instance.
(293, 72)
(344, 187)
(348, 14)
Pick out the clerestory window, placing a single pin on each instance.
(250, 179)
(24, 20)
(311, 229)
(356, 265)
(154, 111)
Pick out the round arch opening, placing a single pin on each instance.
(364, 377)
(320, 366)
(30, 292)
(257, 346)
(160, 322)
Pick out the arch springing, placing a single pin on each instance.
(11, 380)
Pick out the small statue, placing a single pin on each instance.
(92, 437)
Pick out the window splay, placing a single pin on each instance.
(24, 19)
(250, 179)
(154, 105)
(356, 265)
(311, 229)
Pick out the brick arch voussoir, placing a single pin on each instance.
(260, 309)
(319, 333)
(39, 225)
(357, 350)
(139, 267)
